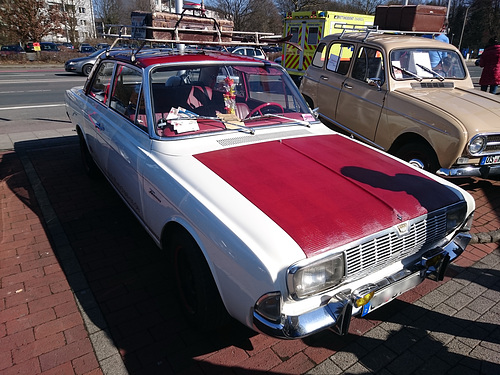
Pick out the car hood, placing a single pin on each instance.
(477, 111)
(326, 191)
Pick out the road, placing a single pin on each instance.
(33, 100)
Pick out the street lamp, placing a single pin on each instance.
(463, 27)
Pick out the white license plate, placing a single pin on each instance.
(392, 291)
(494, 159)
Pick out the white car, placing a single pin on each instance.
(265, 213)
(249, 51)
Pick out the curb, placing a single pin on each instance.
(485, 237)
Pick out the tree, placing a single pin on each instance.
(262, 16)
(235, 10)
(30, 20)
(117, 12)
(478, 19)
(69, 20)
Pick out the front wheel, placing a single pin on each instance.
(419, 155)
(86, 69)
(195, 286)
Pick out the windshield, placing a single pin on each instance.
(426, 63)
(219, 97)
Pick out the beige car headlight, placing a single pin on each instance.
(313, 278)
(477, 144)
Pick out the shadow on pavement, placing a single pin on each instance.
(128, 277)
(125, 271)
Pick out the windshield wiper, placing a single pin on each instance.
(300, 122)
(429, 70)
(419, 79)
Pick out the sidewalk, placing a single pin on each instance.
(83, 290)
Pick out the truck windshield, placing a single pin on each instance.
(194, 99)
(426, 63)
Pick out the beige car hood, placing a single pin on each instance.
(478, 112)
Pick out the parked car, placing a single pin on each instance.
(410, 96)
(264, 212)
(102, 45)
(83, 65)
(87, 49)
(49, 47)
(248, 51)
(13, 49)
(44, 46)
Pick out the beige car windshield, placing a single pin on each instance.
(426, 63)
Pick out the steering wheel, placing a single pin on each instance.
(262, 106)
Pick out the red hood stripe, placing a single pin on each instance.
(326, 191)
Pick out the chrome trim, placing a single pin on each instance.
(336, 314)
(483, 171)
(492, 140)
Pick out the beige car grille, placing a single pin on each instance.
(389, 248)
(492, 144)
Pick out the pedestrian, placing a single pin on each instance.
(490, 62)
(437, 57)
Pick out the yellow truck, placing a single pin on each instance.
(307, 28)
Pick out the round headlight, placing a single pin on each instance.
(477, 144)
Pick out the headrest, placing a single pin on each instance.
(173, 81)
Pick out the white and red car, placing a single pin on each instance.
(265, 213)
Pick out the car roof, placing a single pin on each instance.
(153, 56)
(389, 41)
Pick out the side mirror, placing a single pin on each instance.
(375, 82)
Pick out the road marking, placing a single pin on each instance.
(33, 106)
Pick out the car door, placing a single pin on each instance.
(362, 94)
(97, 114)
(331, 77)
(129, 141)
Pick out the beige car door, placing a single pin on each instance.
(336, 61)
(362, 94)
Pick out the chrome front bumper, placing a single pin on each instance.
(336, 314)
(483, 171)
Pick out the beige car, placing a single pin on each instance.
(408, 95)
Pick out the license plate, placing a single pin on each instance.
(494, 159)
(392, 291)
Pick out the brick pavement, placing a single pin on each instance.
(83, 290)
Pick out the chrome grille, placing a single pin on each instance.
(492, 143)
(388, 248)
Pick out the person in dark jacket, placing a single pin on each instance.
(490, 62)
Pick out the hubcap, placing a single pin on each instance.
(417, 163)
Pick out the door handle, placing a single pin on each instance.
(324, 78)
(347, 86)
(98, 126)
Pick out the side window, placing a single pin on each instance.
(369, 65)
(126, 94)
(295, 34)
(319, 56)
(339, 57)
(312, 35)
(102, 81)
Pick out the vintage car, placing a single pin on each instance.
(265, 213)
(83, 65)
(408, 95)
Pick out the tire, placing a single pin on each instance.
(86, 69)
(89, 166)
(195, 287)
(420, 155)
